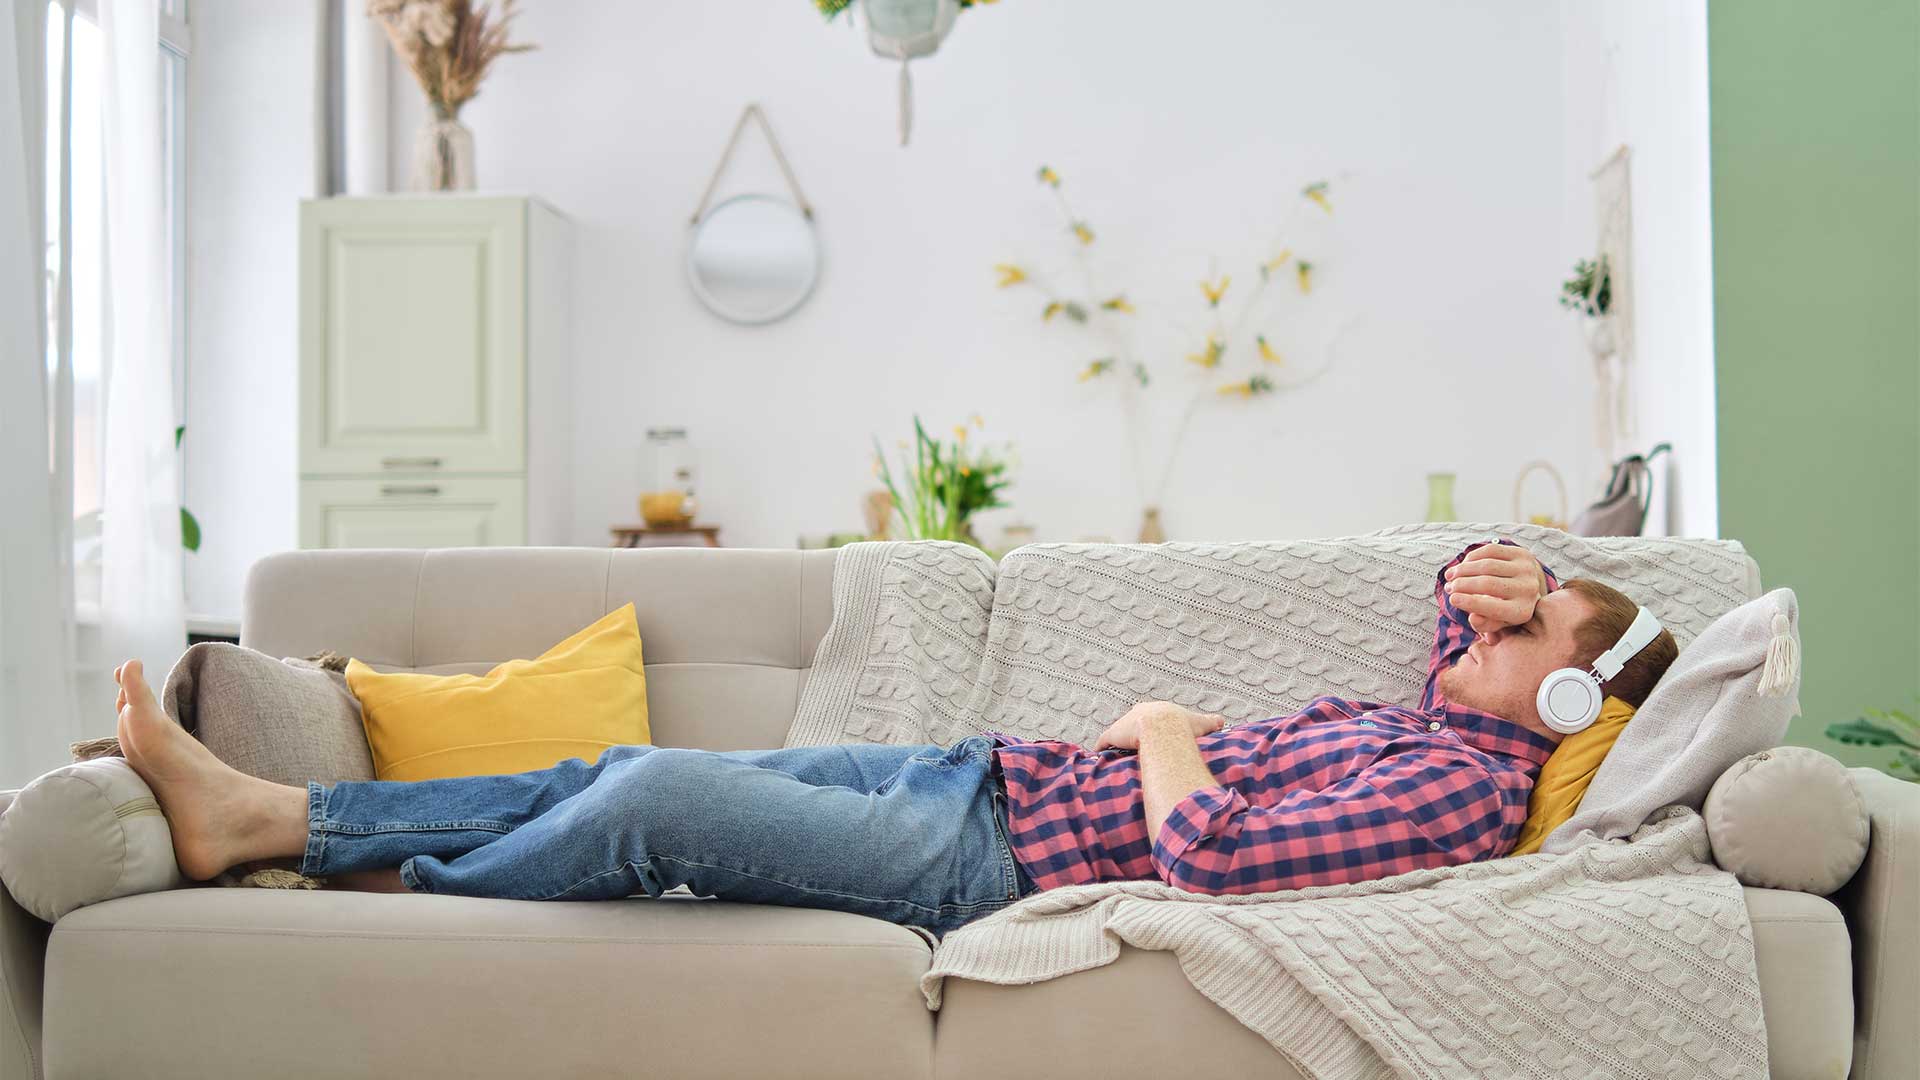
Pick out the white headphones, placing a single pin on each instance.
(1570, 698)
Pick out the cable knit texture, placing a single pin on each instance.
(1629, 958)
(1621, 959)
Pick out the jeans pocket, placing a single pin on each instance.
(1009, 863)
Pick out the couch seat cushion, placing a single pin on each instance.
(1800, 941)
(204, 982)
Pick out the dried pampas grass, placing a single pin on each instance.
(448, 44)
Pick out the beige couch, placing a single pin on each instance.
(207, 982)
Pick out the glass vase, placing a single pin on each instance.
(443, 155)
(1151, 531)
(666, 496)
(1440, 497)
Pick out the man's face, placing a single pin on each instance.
(1503, 676)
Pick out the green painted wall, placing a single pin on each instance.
(1815, 115)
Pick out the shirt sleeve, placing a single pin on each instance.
(1454, 634)
(1406, 812)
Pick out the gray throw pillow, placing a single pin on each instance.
(288, 721)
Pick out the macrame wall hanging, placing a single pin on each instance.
(1611, 341)
(904, 30)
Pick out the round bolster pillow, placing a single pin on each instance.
(1788, 818)
(84, 833)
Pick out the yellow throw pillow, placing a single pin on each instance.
(583, 695)
(1568, 771)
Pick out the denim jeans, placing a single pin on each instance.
(915, 835)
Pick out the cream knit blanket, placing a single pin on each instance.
(1621, 959)
(1618, 960)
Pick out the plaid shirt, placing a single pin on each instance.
(1340, 791)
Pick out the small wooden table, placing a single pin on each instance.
(633, 536)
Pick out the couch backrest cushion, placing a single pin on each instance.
(1253, 629)
(1077, 633)
(730, 633)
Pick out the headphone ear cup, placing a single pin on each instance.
(1569, 700)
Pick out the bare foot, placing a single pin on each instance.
(215, 811)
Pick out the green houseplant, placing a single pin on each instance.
(1895, 728)
(936, 492)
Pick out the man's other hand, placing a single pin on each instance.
(1124, 733)
(1497, 586)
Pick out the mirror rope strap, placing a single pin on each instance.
(753, 110)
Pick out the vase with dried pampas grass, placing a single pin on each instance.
(449, 45)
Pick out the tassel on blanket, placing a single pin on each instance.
(270, 878)
(1782, 668)
(88, 749)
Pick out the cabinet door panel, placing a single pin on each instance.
(412, 512)
(413, 336)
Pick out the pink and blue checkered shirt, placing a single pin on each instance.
(1340, 791)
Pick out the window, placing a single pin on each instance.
(76, 254)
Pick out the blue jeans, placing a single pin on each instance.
(915, 835)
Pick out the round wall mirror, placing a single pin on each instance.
(753, 259)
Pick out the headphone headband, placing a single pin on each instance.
(1569, 699)
(1644, 629)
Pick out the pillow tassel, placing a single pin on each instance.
(1782, 667)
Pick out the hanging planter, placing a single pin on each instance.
(904, 30)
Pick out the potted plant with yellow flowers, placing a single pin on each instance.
(938, 490)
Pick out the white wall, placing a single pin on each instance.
(1636, 74)
(1183, 134)
(251, 155)
(1178, 135)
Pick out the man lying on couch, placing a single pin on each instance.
(934, 836)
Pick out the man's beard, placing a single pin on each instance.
(1465, 693)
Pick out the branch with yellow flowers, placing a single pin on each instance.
(1252, 386)
(1112, 315)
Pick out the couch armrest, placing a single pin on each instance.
(23, 955)
(1882, 905)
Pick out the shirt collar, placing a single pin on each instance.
(1496, 735)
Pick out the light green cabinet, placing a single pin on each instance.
(395, 512)
(434, 385)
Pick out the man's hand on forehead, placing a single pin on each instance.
(1498, 586)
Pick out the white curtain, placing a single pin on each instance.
(36, 629)
(142, 607)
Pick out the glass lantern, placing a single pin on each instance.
(666, 495)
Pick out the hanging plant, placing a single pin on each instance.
(904, 30)
(1590, 289)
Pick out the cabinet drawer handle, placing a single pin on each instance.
(409, 489)
(410, 463)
